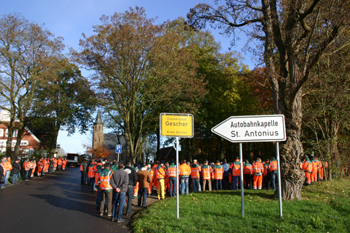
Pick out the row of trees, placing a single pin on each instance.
(37, 82)
(140, 69)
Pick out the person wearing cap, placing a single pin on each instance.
(16, 169)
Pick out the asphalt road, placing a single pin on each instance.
(56, 202)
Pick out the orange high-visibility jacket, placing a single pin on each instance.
(172, 170)
(160, 172)
(105, 180)
(195, 171)
(236, 168)
(247, 169)
(314, 165)
(54, 162)
(206, 172)
(273, 165)
(307, 166)
(27, 165)
(59, 161)
(92, 170)
(185, 170)
(218, 172)
(258, 168)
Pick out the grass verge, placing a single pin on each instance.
(325, 207)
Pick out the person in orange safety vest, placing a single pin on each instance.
(195, 176)
(172, 178)
(236, 173)
(218, 174)
(258, 170)
(247, 173)
(160, 175)
(106, 189)
(206, 175)
(185, 172)
(273, 170)
(307, 167)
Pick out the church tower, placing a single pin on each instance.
(97, 137)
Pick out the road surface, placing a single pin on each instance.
(54, 203)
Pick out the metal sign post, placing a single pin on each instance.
(279, 178)
(177, 179)
(178, 125)
(241, 181)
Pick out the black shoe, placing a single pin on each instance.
(120, 220)
(112, 219)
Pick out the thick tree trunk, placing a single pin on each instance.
(292, 176)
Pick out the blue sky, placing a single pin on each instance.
(70, 18)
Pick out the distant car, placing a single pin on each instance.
(72, 159)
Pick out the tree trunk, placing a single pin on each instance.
(158, 145)
(20, 132)
(292, 177)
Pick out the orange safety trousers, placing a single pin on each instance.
(257, 182)
(155, 184)
(150, 188)
(320, 173)
(314, 176)
(166, 184)
(308, 177)
(136, 189)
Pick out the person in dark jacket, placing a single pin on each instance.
(131, 185)
(2, 172)
(16, 169)
(119, 182)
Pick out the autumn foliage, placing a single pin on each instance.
(98, 152)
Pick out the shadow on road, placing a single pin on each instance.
(67, 203)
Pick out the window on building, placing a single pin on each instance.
(1, 132)
(14, 133)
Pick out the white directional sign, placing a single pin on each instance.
(263, 128)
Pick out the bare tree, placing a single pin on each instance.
(25, 53)
(139, 66)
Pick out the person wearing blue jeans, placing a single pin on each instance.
(119, 182)
(118, 202)
(218, 184)
(142, 194)
(172, 184)
(196, 185)
(184, 185)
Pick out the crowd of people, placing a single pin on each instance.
(117, 184)
(27, 168)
